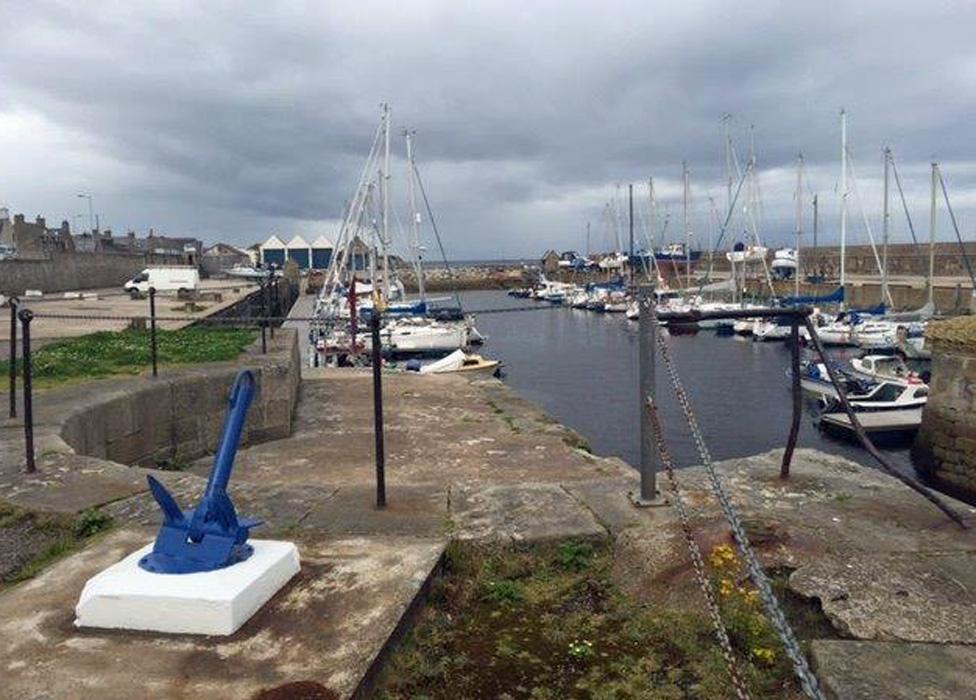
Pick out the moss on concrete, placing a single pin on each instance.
(549, 621)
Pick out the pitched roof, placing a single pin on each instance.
(297, 242)
(273, 242)
(322, 242)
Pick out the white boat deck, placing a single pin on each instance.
(878, 421)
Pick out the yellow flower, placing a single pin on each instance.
(764, 655)
(726, 587)
(722, 556)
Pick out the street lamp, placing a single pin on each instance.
(91, 211)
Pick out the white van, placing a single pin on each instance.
(181, 279)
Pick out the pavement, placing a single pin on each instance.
(474, 462)
(113, 302)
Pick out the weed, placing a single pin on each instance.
(503, 592)
(91, 522)
(575, 556)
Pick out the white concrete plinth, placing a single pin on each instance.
(124, 596)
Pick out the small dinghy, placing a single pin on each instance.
(460, 362)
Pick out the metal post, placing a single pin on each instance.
(378, 410)
(13, 357)
(784, 470)
(25, 318)
(152, 329)
(646, 348)
(264, 313)
(273, 306)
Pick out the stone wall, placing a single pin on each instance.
(179, 416)
(69, 271)
(945, 449)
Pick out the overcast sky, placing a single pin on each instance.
(231, 120)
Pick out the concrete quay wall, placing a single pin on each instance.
(945, 449)
(68, 272)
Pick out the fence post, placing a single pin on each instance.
(378, 409)
(13, 357)
(152, 328)
(273, 306)
(646, 350)
(25, 318)
(264, 314)
(784, 469)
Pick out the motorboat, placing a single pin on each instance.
(783, 266)
(863, 396)
(884, 368)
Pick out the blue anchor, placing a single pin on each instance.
(211, 537)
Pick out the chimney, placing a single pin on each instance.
(18, 218)
(39, 220)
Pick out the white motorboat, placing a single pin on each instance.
(784, 264)
(884, 368)
(883, 396)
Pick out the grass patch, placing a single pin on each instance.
(128, 352)
(46, 537)
(548, 622)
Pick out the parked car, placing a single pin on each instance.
(7, 252)
(178, 278)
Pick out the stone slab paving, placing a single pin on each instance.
(850, 670)
(327, 628)
(474, 461)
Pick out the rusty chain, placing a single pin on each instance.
(773, 611)
(714, 612)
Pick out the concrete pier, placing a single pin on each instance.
(475, 463)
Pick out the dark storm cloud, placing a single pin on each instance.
(234, 119)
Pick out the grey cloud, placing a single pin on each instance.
(239, 118)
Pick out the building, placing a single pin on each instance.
(221, 257)
(550, 261)
(273, 252)
(156, 248)
(299, 251)
(322, 249)
(33, 239)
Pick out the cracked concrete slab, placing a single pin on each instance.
(851, 670)
(328, 627)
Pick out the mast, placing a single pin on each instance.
(587, 239)
(684, 204)
(885, 219)
(385, 194)
(630, 208)
(799, 222)
(415, 217)
(653, 228)
(843, 201)
(727, 121)
(932, 212)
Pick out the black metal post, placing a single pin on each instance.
(264, 321)
(152, 329)
(25, 316)
(273, 292)
(378, 410)
(784, 470)
(13, 357)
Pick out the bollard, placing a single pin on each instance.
(25, 316)
(646, 349)
(152, 328)
(784, 469)
(13, 357)
(378, 410)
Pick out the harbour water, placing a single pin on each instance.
(581, 367)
